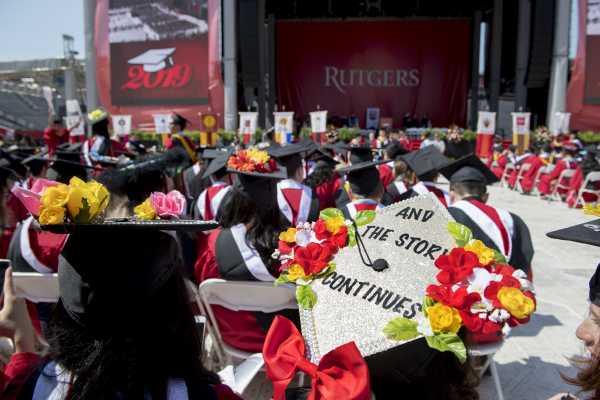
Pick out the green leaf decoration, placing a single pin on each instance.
(330, 213)
(364, 217)
(306, 297)
(84, 213)
(281, 280)
(499, 257)
(401, 329)
(427, 302)
(327, 271)
(461, 234)
(351, 236)
(448, 342)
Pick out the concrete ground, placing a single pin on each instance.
(534, 355)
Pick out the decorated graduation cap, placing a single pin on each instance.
(97, 116)
(154, 60)
(425, 162)
(469, 169)
(257, 174)
(363, 177)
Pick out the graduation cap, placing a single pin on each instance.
(212, 153)
(290, 156)
(177, 119)
(394, 150)
(154, 60)
(469, 169)
(216, 165)
(359, 152)
(425, 162)
(322, 154)
(588, 233)
(363, 177)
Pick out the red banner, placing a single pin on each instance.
(417, 67)
(158, 57)
(583, 94)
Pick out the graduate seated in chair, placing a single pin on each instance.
(242, 249)
(566, 162)
(498, 229)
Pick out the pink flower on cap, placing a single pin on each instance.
(170, 205)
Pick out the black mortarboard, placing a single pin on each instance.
(395, 149)
(588, 233)
(469, 169)
(260, 186)
(322, 154)
(426, 161)
(211, 153)
(179, 120)
(358, 153)
(217, 164)
(290, 156)
(363, 177)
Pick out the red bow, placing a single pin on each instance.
(342, 373)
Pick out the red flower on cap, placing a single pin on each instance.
(456, 266)
(338, 239)
(313, 258)
(459, 298)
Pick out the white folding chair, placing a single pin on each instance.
(240, 296)
(508, 169)
(591, 177)
(488, 350)
(524, 168)
(565, 174)
(544, 170)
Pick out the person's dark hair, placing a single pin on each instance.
(588, 376)
(474, 189)
(590, 163)
(400, 167)
(429, 177)
(512, 148)
(136, 184)
(453, 380)
(292, 164)
(165, 344)
(220, 174)
(264, 223)
(322, 173)
(101, 128)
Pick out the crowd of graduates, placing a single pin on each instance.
(134, 336)
(540, 169)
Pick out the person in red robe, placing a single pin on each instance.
(547, 181)
(56, 134)
(589, 164)
(322, 176)
(501, 158)
(526, 158)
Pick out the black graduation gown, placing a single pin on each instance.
(522, 246)
(194, 183)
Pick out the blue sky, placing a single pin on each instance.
(33, 28)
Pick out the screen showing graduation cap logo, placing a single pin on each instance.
(154, 60)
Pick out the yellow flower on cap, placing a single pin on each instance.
(295, 272)
(592, 210)
(484, 253)
(101, 193)
(145, 211)
(515, 302)
(97, 115)
(258, 156)
(444, 319)
(334, 224)
(55, 196)
(288, 236)
(52, 215)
